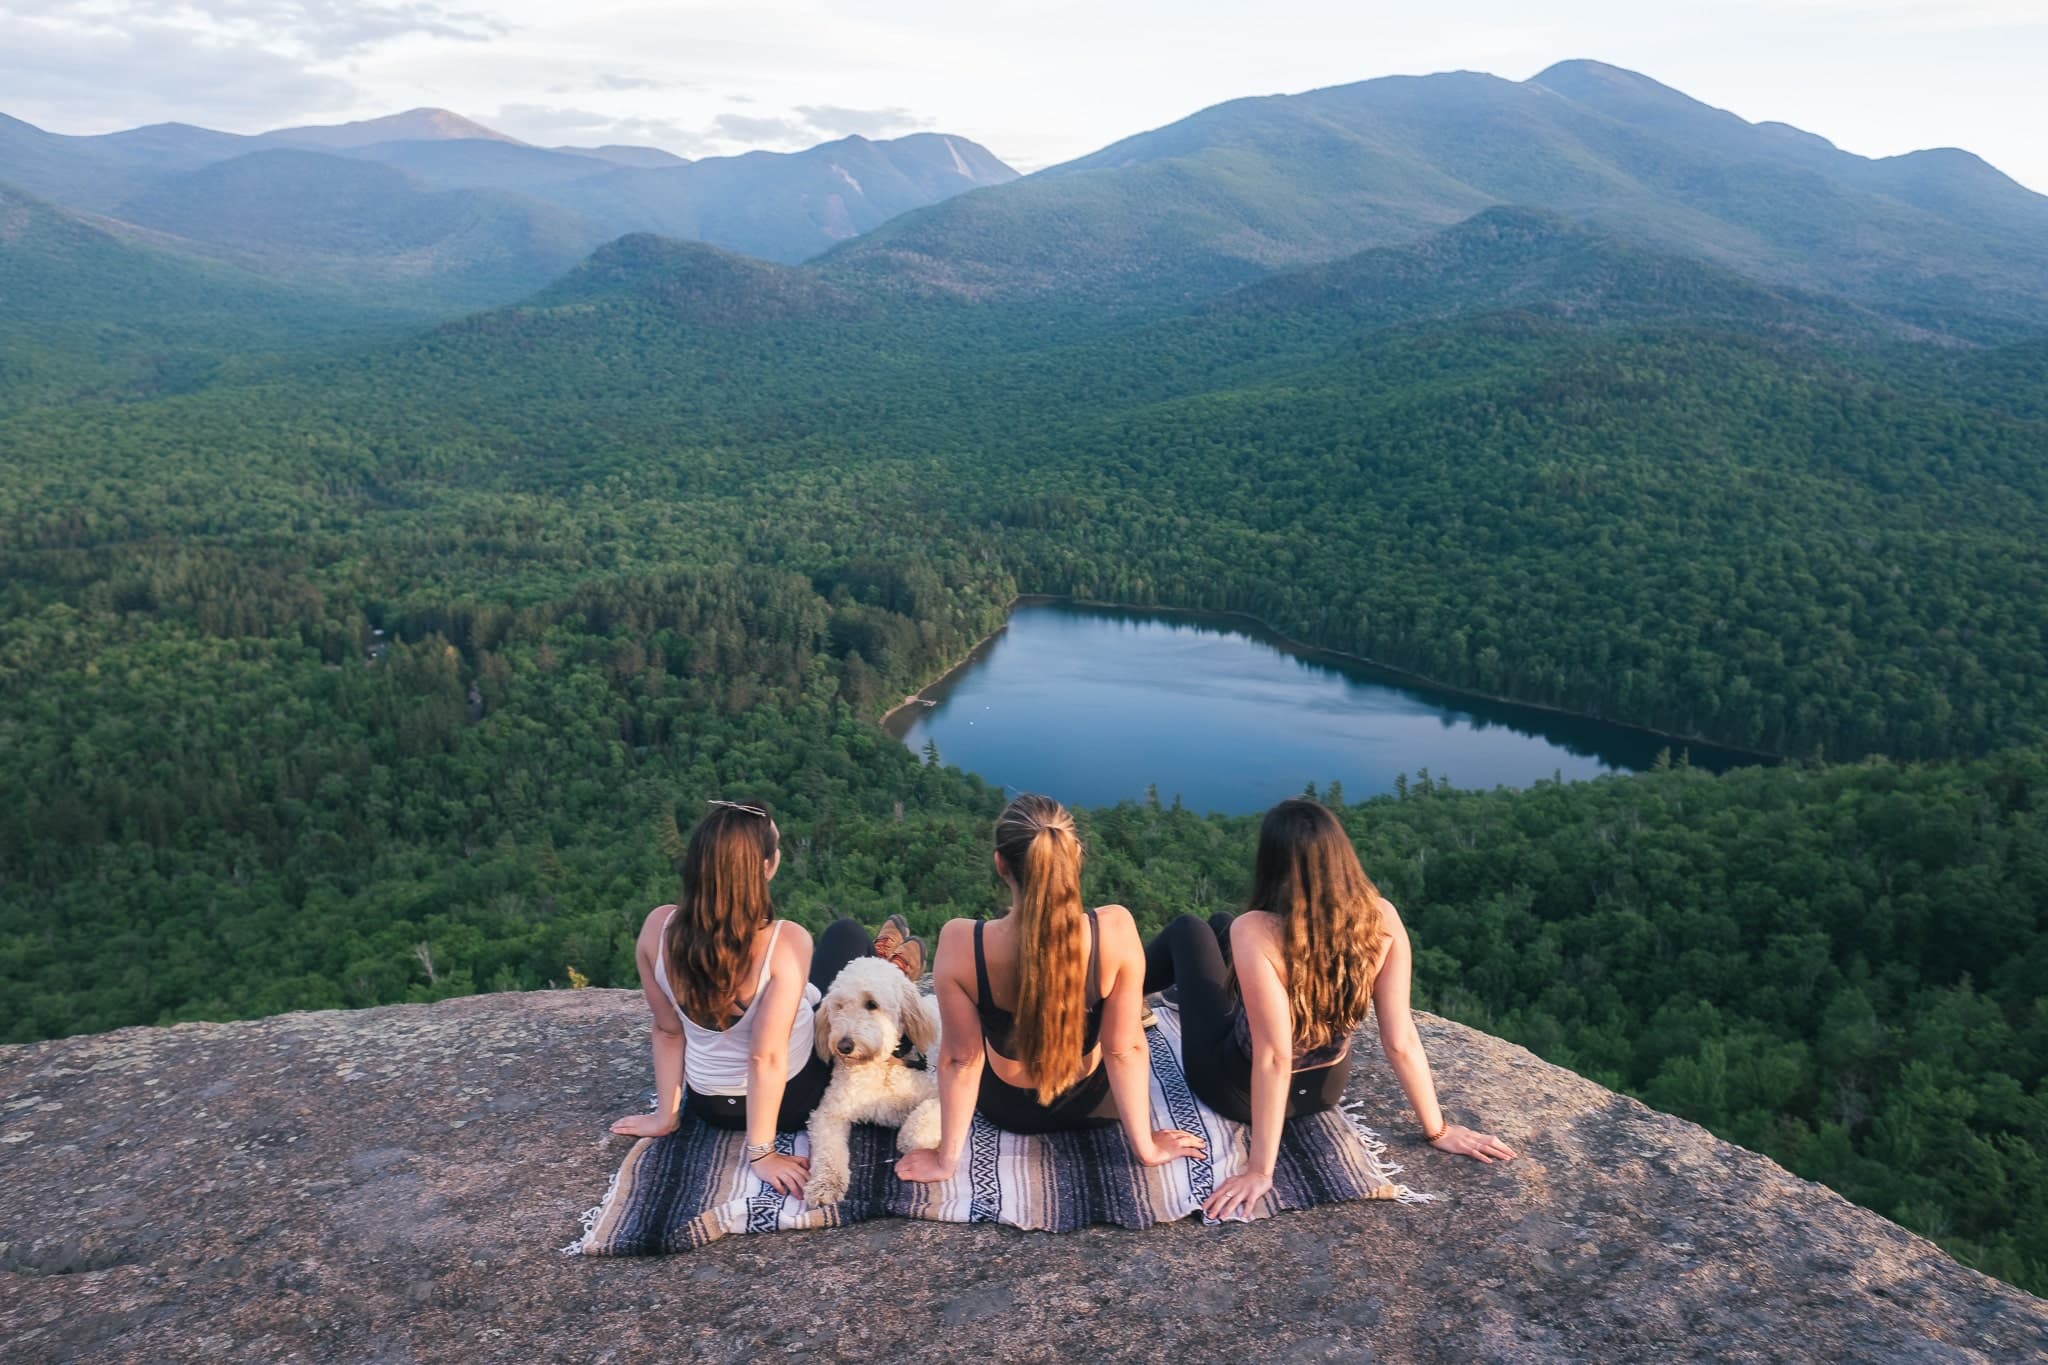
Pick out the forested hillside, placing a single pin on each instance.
(396, 672)
(86, 314)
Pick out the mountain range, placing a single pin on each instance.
(430, 205)
(1236, 191)
(1585, 190)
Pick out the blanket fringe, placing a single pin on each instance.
(590, 1216)
(1376, 1155)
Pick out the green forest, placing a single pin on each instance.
(393, 674)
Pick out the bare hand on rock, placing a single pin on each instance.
(1470, 1142)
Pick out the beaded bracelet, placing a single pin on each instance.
(1443, 1126)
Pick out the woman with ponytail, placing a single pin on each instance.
(1269, 998)
(733, 991)
(1040, 1010)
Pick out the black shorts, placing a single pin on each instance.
(799, 1098)
(1086, 1104)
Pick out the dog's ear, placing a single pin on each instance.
(919, 1023)
(821, 1031)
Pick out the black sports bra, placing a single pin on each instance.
(999, 1026)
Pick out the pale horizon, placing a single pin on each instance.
(1036, 87)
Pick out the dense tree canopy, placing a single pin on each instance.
(394, 676)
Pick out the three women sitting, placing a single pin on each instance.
(1042, 1010)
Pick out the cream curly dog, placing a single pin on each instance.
(871, 1025)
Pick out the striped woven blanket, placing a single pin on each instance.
(693, 1186)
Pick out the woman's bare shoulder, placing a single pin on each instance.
(1255, 926)
(954, 953)
(651, 927)
(1118, 916)
(1117, 929)
(956, 931)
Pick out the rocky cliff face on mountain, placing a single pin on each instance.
(393, 1185)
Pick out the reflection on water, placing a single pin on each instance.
(1093, 705)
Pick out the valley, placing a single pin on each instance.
(1570, 391)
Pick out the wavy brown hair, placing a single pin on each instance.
(724, 904)
(1036, 841)
(1331, 930)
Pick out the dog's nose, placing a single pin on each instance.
(846, 1047)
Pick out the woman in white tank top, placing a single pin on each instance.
(732, 991)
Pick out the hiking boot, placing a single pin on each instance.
(891, 935)
(909, 958)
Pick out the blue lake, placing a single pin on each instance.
(1094, 705)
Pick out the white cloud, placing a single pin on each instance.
(317, 29)
(613, 80)
(1909, 16)
(760, 130)
(551, 125)
(836, 121)
(95, 80)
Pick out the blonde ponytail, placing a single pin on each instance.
(1036, 840)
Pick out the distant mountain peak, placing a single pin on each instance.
(1796, 135)
(1598, 83)
(173, 126)
(1586, 68)
(624, 155)
(693, 280)
(414, 125)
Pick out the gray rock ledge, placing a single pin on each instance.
(392, 1185)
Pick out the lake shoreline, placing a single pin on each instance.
(912, 704)
(915, 703)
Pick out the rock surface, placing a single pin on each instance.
(393, 1185)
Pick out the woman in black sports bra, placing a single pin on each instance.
(1040, 1009)
(1088, 1103)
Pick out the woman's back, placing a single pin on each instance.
(715, 1059)
(1040, 1029)
(998, 962)
(1258, 945)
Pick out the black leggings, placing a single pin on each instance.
(1014, 1108)
(1194, 957)
(842, 942)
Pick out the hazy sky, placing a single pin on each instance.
(1036, 82)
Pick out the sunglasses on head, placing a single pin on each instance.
(742, 809)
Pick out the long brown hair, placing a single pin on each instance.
(1307, 875)
(724, 904)
(1036, 841)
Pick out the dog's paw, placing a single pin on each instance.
(920, 1129)
(825, 1189)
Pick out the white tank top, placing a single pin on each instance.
(715, 1060)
